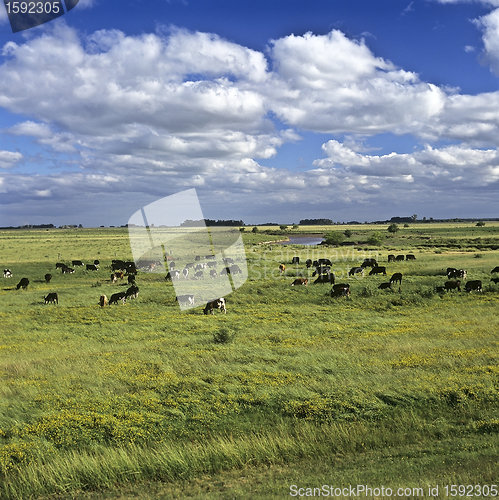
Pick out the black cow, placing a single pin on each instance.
(209, 257)
(132, 292)
(212, 264)
(325, 278)
(234, 269)
(452, 285)
(397, 277)
(399, 257)
(228, 260)
(23, 284)
(321, 270)
(391, 258)
(356, 270)
(131, 279)
(495, 280)
(48, 277)
(92, 267)
(215, 304)
(340, 290)
(118, 265)
(378, 270)
(60, 265)
(369, 263)
(77, 263)
(51, 297)
(410, 256)
(308, 262)
(67, 270)
(295, 260)
(473, 285)
(324, 262)
(97, 262)
(116, 297)
(495, 270)
(213, 273)
(385, 286)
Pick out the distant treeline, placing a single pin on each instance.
(316, 222)
(211, 223)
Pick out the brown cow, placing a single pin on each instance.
(300, 281)
(452, 285)
(103, 301)
(282, 268)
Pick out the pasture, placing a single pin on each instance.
(396, 387)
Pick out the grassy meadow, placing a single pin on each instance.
(394, 388)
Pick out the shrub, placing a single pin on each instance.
(224, 336)
(393, 228)
(255, 230)
(376, 238)
(334, 238)
(348, 233)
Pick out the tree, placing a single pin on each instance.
(283, 227)
(393, 228)
(334, 238)
(295, 226)
(348, 233)
(480, 223)
(255, 230)
(376, 238)
(242, 229)
(414, 217)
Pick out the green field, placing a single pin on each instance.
(396, 388)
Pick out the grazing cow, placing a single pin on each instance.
(399, 257)
(495, 270)
(77, 263)
(209, 257)
(213, 273)
(410, 256)
(321, 270)
(67, 270)
(228, 260)
(116, 297)
(132, 292)
(356, 270)
(495, 280)
(378, 270)
(114, 279)
(51, 297)
(391, 258)
(118, 265)
(200, 267)
(450, 270)
(185, 299)
(456, 273)
(23, 284)
(92, 267)
(452, 285)
(172, 265)
(199, 275)
(175, 275)
(308, 262)
(295, 260)
(340, 290)
(282, 268)
(48, 277)
(473, 285)
(325, 278)
(198, 257)
(7, 273)
(60, 265)
(300, 281)
(385, 286)
(397, 277)
(215, 304)
(185, 273)
(235, 269)
(212, 264)
(131, 269)
(131, 279)
(324, 262)
(97, 262)
(369, 263)
(119, 274)
(103, 301)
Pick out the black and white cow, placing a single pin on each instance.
(475, 285)
(132, 292)
(92, 267)
(185, 299)
(215, 304)
(116, 297)
(7, 273)
(340, 290)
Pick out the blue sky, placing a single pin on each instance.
(273, 110)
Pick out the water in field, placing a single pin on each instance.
(303, 240)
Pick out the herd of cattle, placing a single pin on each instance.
(322, 269)
(324, 275)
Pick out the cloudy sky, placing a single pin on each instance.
(274, 110)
